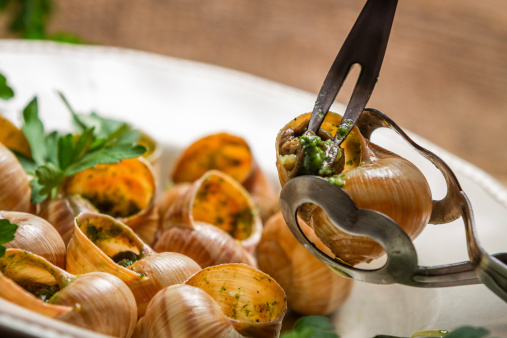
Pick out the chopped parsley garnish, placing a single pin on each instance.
(319, 156)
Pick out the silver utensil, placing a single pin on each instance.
(402, 263)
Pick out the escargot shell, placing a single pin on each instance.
(124, 190)
(217, 199)
(102, 243)
(311, 287)
(228, 300)
(96, 301)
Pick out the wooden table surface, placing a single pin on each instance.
(444, 75)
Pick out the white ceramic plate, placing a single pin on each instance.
(178, 101)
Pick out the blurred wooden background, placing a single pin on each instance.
(444, 75)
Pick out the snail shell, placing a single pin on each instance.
(61, 211)
(228, 300)
(231, 155)
(96, 301)
(36, 235)
(185, 311)
(205, 244)
(124, 190)
(217, 199)
(14, 184)
(375, 179)
(98, 238)
(311, 287)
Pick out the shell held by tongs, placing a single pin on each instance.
(96, 301)
(228, 300)
(402, 263)
(373, 177)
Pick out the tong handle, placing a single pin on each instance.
(365, 45)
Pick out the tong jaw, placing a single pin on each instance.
(402, 263)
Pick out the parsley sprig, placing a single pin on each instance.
(56, 156)
(7, 231)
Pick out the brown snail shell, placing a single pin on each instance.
(184, 311)
(96, 301)
(231, 155)
(375, 179)
(124, 190)
(14, 184)
(228, 300)
(36, 235)
(217, 199)
(98, 238)
(311, 287)
(205, 244)
(61, 211)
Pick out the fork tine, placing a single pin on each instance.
(365, 45)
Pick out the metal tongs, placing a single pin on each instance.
(366, 45)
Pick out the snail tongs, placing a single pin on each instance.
(372, 30)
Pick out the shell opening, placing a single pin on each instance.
(220, 203)
(120, 190)
(117, 241)
(228, 153)
(31, 273)
(243, 293)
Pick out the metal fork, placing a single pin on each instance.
(402, 263)
(365, 46)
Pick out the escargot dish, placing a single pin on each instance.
(373, 177)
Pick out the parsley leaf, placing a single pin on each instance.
(113, 154)
(104, 128)
(50, 178)
(34, 131)
(6, 91)
(7, 231)
(312, 327)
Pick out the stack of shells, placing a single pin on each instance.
(86, 257)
